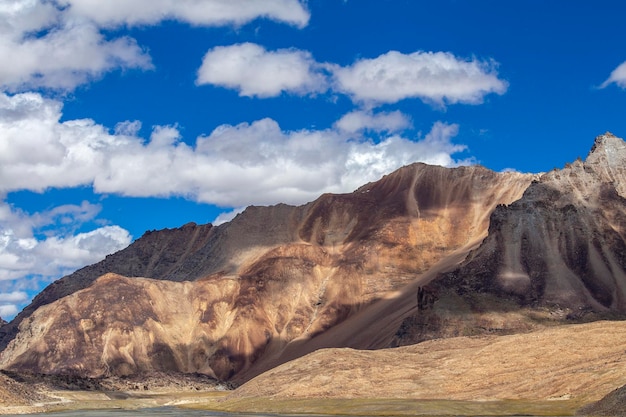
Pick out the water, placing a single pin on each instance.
(144, 412)
(170, 411)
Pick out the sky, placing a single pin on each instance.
(122, 116)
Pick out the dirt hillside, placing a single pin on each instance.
(582, 362)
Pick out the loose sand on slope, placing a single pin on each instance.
(580, 362)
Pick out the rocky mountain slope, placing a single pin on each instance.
(561, 248)
(273, 277)
(426, 252)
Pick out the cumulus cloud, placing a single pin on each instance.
(360, 120)
(196, 12)
(254, 71)
(618, 76)
(13, 297)
(46, 48)
(40, 247)
(227, 216)
(27, 249)
(8, 311)
(9, 302)
(60, 44)
(436, 77)
(233, 166)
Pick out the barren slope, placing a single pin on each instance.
(15, 394)
(582, 362)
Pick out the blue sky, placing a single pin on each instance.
(123, 116)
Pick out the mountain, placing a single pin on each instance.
(424, 253)
(272, 278)
(155, 254)
(560, 250)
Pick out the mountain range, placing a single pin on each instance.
(424, 253)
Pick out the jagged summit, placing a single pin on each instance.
(608, 157)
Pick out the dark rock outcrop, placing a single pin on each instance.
(612, 405)
(560, 249)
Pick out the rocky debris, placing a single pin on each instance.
(2, 322)
(612, 405)
(15, 391)
(153, 382)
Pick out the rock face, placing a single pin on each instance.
(564, 241)
(426, 252)
(15, 394)
(561, 247)
(278, 276)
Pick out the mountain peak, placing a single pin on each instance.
(608, 159)
(607, 145)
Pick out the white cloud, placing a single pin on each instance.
(254, 71)
(40, 247)
(64, 53)
(618, 76)
(361, 120)
(435, 77)
(227, 216)
(59, 44)
(9, 302)
(196, 12)
(26, 250)
(13, 297)
(8, 310)
(250, 163)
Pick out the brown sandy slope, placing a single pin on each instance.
(577, 362)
